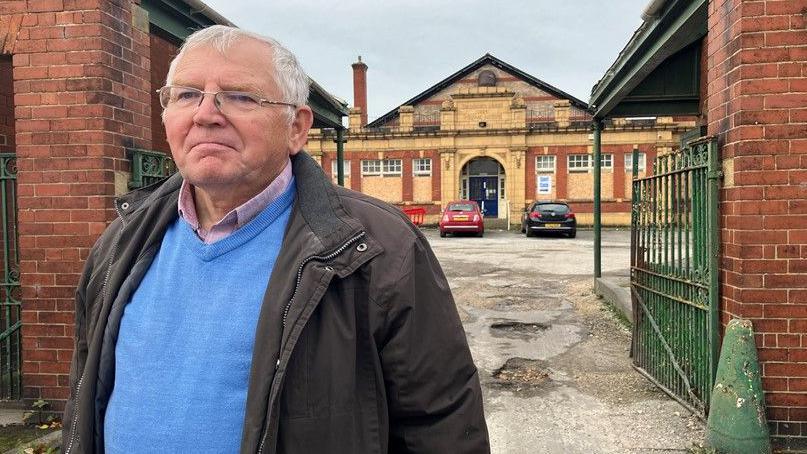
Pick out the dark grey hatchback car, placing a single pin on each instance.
(549, 217)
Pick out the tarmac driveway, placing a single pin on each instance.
(553, 359)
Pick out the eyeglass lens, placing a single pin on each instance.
(226, 101)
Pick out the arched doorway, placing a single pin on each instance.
(482, 179)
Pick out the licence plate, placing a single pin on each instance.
(460, 218)
(552, 226)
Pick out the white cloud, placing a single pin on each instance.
(411, 45)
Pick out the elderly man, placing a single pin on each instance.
(247, 304)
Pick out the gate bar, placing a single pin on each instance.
(597, 126)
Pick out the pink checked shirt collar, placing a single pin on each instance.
(237, 217)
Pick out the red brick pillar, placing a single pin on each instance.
(6, 105)
(529, 174)
(437, 166)
(619, 174)
(407, 182)
(81, 82)
(561, 174)
(757, 52)
(355, 173)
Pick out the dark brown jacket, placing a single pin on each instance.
(366, 355)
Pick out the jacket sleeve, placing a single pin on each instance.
(435, 399)
(79, 349)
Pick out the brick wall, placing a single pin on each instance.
(81, 85)
(6, 105)
(162, 51)
(757, 108)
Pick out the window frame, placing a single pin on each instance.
(395, 164)
(607, 157)
(345, 168)
(419, 170)
(371, 167)
(539, 169)
(629, 162)
(578, 169)
(381, 167)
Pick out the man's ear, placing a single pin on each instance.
(298, 136)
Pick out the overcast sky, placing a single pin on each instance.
(411, 45)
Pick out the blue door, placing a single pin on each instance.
(485, 191)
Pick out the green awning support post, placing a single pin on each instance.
(596, 125)
(340, 156)
(737, 422)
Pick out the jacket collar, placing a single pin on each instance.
(318, 202)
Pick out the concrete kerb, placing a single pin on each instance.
(618, 296)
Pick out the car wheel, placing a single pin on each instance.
(480, 234)
(530, 233)
(442, 234)
(573, 234)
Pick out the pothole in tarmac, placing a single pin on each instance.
(521, 375)
(513, 327)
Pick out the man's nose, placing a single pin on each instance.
(207, 111)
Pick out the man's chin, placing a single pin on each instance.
(211, 180)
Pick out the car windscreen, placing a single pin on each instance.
(558, 208)
(461, 207)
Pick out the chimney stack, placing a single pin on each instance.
(360, 89)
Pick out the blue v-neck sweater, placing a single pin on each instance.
(184, 350)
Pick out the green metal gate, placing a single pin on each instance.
(10, 317)
(674, 281)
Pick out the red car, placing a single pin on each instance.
(462, 216)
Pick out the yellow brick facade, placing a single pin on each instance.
(510, 123)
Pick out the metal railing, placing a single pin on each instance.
(674, 273)
(10, 301)
(426, 119)
(149, 167)
(544, 113)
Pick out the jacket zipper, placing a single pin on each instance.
(319, 258)
(114, 251)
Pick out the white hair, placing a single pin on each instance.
(288, 74)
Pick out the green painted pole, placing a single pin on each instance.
(714, 176)
(340, 156)
(597, 127)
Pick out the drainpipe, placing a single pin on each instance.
(340, 156)
(596, 125)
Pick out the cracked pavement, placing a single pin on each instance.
(553, 359)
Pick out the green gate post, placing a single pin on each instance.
(340, 156)
(597, 126)
(714, 175)
(10, 305)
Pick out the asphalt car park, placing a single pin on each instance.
(552, 359)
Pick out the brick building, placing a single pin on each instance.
(744, 69)
(492, 133)
(79, 124)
